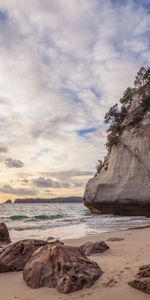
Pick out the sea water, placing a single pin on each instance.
(62, 221)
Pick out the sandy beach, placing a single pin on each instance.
(119, 264)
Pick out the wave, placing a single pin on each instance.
(36, 217)
(18, 217)
(49, 217)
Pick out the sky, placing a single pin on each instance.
(63, 63)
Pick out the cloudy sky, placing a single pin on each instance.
(62, 64)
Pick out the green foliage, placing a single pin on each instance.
(114, 117)
(99, 166)
(127, 96)
(137, 118)
(142, 77)
(116, 114)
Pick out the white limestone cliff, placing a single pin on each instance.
(123, 184)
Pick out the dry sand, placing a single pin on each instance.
(119, 264)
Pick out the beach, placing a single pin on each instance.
(120, 264)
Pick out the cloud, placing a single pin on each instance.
(68, 174)
(7, 189)
(24, 181)
(3, 149)
(46, 182)
(62, 66)
(71, 178)
(13, 163)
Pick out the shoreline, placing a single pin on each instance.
(80, 236)
(120, 264)
(107, 232)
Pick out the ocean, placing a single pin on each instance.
(63, 221)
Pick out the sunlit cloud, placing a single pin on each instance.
(62, 65)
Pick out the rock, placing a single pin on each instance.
(15, 256)
(54, 240)
(4, 234)
(50, 238)
(122, 186)
(93, 248)
(1, 249)
(144, 271)
(63, 267)
(115, 239)
(8, 201)
(142, 280)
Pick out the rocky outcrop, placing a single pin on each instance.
(15, 256)
(90, 248)
(63, 267)
(4, 234)
(142, 280)
(123, 184)
(8, 201)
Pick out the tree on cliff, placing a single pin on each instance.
(127, 96)
(116, 114)
(142, 77)
(114, 117)
(99, 166)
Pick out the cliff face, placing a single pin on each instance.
(123, 184)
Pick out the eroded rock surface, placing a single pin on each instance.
(93, 248)
(4, 234)
(142, 279)
(15, 256)
(63, 267)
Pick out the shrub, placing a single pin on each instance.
(116, 114)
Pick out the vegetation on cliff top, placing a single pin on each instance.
(117, 113)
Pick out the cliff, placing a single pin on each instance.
(123, 184)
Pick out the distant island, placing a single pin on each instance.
(53, 200)
(8, 201)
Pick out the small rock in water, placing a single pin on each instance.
(4, 234)
(63, 267)
(142, 279)
(92, 248)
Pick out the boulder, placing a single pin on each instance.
(4, 234)
(142, 279)
(15, 256)
(93, 248)
(65, 268)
